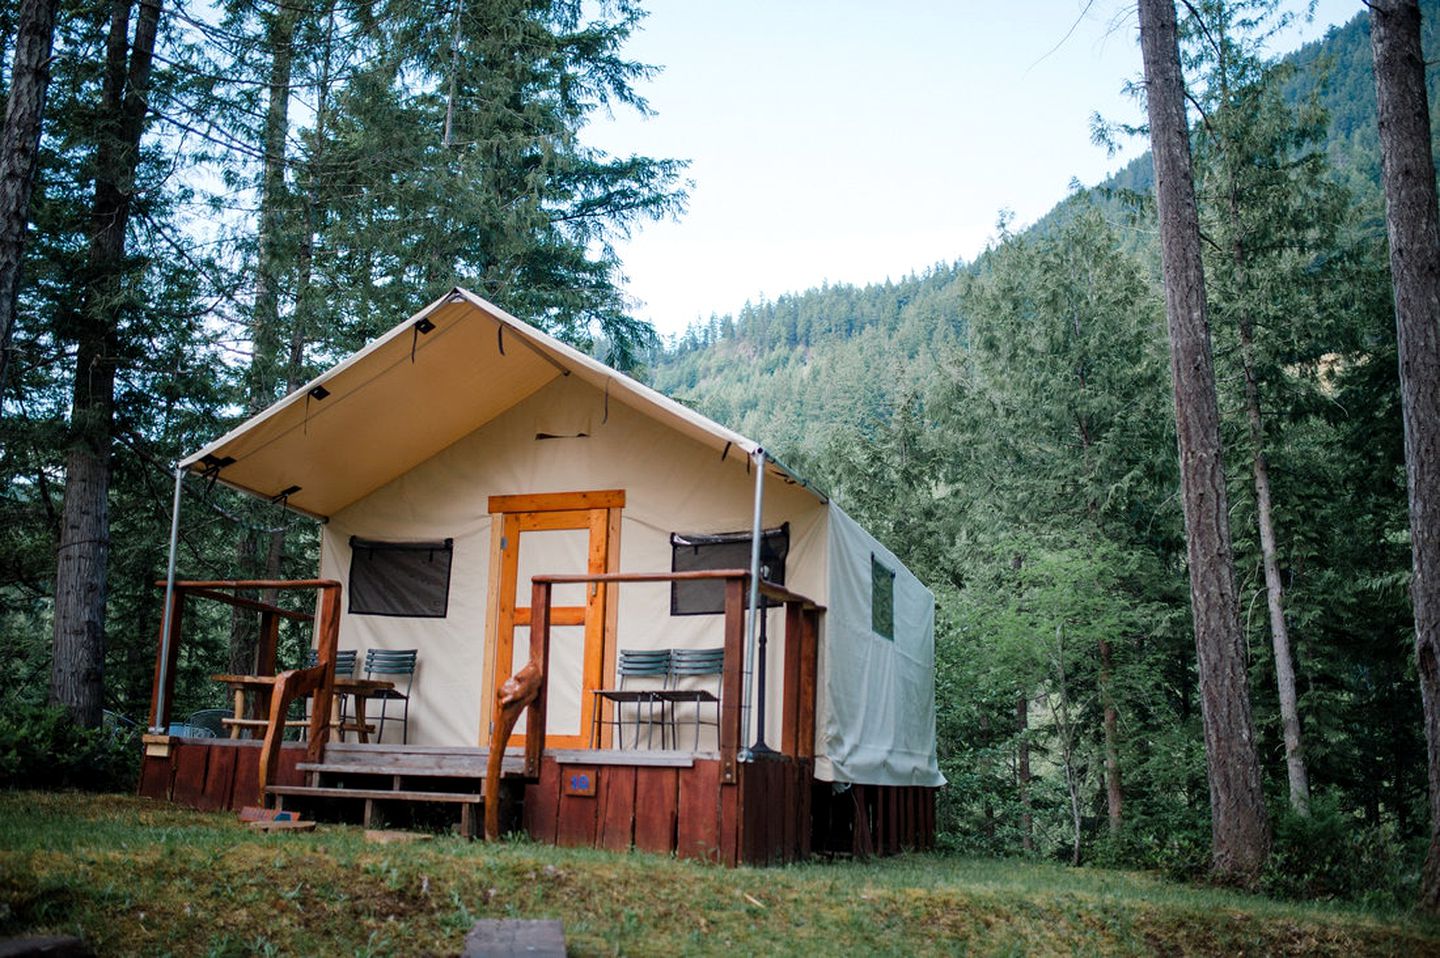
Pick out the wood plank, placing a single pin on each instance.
(387, 794)
(245, 789)
(542, 803)
(805, 778)
(536, 712)
(697, 830)
(729, 824)
(656, 802)
(550, 501)
(790, 813)
(559, 615)
(156, 773)
(255, 605)
(863, 844)
(189, 784)
(617, 808)
(612, 616)
(288, 771)
(576, 819)
(190, 584)
(219, 778)
(553, 521)
(642, 757)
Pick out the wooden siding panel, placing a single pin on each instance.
(190, 761)
(219, 779)
(575, 820)
(542, 803)
(155, 775)
(698, 829)
(729, 824)
(656, 799)
(245, 790)
(617, 807)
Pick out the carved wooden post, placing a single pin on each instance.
(732, 680)
(327, 631)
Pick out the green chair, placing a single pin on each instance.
(698, 666)
(398, 666)
(647, 665)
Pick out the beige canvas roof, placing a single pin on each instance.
(438, 376)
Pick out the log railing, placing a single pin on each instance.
(526, 690)
(287, 687)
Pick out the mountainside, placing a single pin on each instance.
(788, 372)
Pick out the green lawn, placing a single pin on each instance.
(135, 877)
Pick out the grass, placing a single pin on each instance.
(135, 877)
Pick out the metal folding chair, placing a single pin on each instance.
(699, 666)
(398, 666)
(633, 665)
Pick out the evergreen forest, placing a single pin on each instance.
(228, 198)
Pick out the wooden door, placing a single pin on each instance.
(583, 525)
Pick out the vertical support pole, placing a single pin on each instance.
(790, 703)
(539, 652)
(265, 658)
(756, 531)
(165, 671)
(732, 680)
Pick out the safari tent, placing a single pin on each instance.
(489, 495)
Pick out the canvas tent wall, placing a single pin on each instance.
(407, 438)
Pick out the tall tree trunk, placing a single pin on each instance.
(76, 677)
(1240, 830)
(1411, 221)
(265, 333)
(1295, 772)
(1114, 796)
(1022, 762)
(19, 148)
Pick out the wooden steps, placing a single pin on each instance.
(321, 791)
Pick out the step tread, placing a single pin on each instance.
(321, 791)
(418, 771)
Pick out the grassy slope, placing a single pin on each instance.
(137, 877)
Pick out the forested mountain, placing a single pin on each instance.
(1006, 426)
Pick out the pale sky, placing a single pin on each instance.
(848, 142)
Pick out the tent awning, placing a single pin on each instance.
(440, 375)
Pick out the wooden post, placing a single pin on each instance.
(160, 709)
(790, 695)
(265, 659)
(327, 632)
(288, 687)
(732, 681)
(539, 652)
(809, 680)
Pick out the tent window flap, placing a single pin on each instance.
(723, 550)
(882, 599)
(400, 578)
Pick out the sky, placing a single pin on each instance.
(850, 142)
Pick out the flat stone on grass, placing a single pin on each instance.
(505, 937)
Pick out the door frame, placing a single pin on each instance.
(513, 515)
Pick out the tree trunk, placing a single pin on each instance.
(1411, 221)
(19, 148)
(1240, 830)
(1114, 797)
(1022, 762)
(76, 677)
(1295, 772)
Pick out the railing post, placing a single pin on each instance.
(790, 701)
(167, 655)
(327, 631)
(732, 680)
(809, 681)
(539, 652)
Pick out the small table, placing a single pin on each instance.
(241, 685)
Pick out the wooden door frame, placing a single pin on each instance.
(513, 515)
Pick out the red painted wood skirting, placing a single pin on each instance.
(765, 817)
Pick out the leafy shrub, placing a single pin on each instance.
(41, 748)
(1333, 854)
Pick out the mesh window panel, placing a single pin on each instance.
(400, 578)
(723, 550)
(882, 599)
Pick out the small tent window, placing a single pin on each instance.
(400, 578)
(882, 599)
(723, 550)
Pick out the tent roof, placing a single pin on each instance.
(438, 376)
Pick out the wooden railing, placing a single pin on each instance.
(526, 690)
(288, 686)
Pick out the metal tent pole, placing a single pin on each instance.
(758, 457)
(163, 678)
